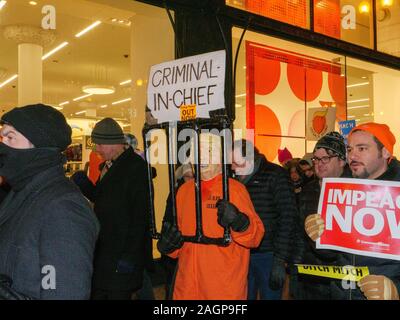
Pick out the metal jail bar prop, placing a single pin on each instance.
(220, 123)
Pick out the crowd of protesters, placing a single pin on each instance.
(89, 236)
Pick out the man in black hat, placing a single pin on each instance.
(121, 203)
(47, 229)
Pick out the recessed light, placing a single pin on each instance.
(121, 101)
(87, 29)
(125, 82)
(33, 3)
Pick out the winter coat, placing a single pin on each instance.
(273, 198)
(121, 203)
(208, 271)
(47, 238)
(377, 266)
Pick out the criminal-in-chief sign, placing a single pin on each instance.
(197, 80)
(361, 217)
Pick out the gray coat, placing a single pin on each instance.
(47, 238)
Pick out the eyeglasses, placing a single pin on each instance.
(324, 159)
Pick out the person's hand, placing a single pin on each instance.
(378, 288)
(230, 216)
(278, 274)
(171, 238)
(314, 226)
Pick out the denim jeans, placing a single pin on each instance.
(258, 277)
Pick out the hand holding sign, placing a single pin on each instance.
(314, 226)
(378, 288)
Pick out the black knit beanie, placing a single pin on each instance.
(42, 125)
(333, 141)
(108, 131)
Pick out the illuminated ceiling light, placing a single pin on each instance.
(93, 89)
(121, 101)
(93, 25)
(63, 103)
(8, 80)
(359, 100)
(364, 7)
(381, 113)
(237, 105)
(2, 4)
(366, 114)
(80, 112)
(125, 82)
(387, 3)
(33, 3)
(240, 95)
(359, 107)
(104, 106)
(57, 108)
(351, 117)
(139, 82)
(48, 54)
(358, 84)
(363, 77)
(114, 20)
(83, 97)
(126, 125)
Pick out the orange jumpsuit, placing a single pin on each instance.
(211, 271)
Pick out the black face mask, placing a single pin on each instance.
(18, 166)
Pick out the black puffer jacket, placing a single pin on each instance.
(273, 198)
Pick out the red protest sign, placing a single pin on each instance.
(361, 216)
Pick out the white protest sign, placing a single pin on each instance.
(197, 80)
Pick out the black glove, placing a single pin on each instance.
(7, 293)
(171, 238)
(278, 274)
(80, 178)
(230, 216)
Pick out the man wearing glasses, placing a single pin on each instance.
(329, 158)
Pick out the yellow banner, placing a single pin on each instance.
(188, 112)
(336, 272)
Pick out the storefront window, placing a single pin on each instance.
(348, 20)
(388, 26)
(107, 46)
(285, 91)
(291, 12)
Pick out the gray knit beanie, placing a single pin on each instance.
(108, 131)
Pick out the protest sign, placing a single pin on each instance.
(361, 217)
(334, 272)
(198, 81)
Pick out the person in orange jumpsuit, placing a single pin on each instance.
(208, 271)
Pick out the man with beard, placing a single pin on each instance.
(47, 228)
(370, 156)
(209, 271)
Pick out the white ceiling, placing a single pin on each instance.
(102, 56)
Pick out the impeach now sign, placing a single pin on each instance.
(361, 217)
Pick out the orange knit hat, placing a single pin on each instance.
(380, 131)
